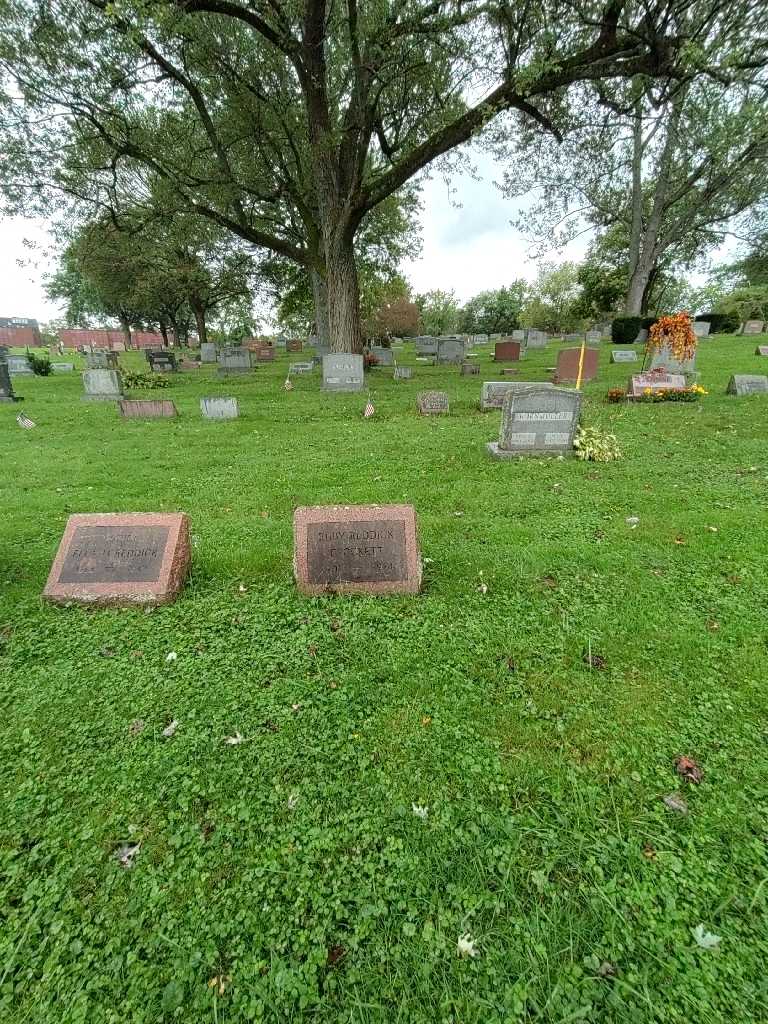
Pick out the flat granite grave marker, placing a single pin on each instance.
(343, 371)
(6, 388)
(208, 353)
(102, 386)
(403, 373)
(567, 368)
(234, 360)
(507, 351)
(494, 391)
(147, 408)
(742, 384)
(654, 380)
(623, 356)
(19, 366)
(537, 421)
(432, 403)
(120, 559)
(761, 350)
(219, 408)
(359, 549)
(300, 368)
(753, 327)
(62, 367)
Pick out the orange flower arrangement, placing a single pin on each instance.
(677, 333)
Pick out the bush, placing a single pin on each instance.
(624, 329)
(41, 365)
(593, 445)
(647, 322)
(144, 381)
(721, 323)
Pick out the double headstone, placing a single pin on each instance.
(537, 421)
(432, 403)
(264, 354)
(593, 337)
(343, 371)
(219, 408)
(383, 356)
(753, 327)
(234, 360)
(747, 384)
(426, 346)
(19, 366)
(102, 386)
(642, 384)
(208, 352)
(572, 365)
(62, 367)
(450, 350)
(161, 360)
(495, 391)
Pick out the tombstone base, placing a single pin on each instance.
(234, 370)
(493, 448)
(11, 398)
(103, 398)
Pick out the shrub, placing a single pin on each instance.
(624, 329)
(677, 333)
(144, 381)
(593, 445)
(41, 365)
(721, 323)
(647, 322)
(691, 394)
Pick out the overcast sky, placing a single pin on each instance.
(468, 246)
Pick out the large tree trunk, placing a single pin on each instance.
(638, 284)
(343, 295)
(126, 329)
(199, 311)
(164, 331)
(320, 297)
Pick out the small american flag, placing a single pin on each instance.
(24, 421)
(288, 384)
(369, 410)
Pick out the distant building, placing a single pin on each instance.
(115, 340)
(19, 332)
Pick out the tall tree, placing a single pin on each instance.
(669, 167)
(287, 121)
(496, 311)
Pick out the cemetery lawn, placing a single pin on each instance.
(287, 877)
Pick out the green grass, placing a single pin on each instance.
(543, 777)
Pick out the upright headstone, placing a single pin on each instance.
(747, 384)
(426, 346)
(641, 384)
(507, 351)
(383, 356)
(102, 386)
(208, 352)
(264, 354)
(753, 327)
(120, 560)
(642, 336)
(147, 408)
(593, 337)
(294, 345)
(624, 355)
(701, 328)
(662, 358)
(450, 350)
(343, 371)
(359, 549)
(219, 408)
(761, 350)
(19, 366)
(118, 346)
(518, 335)
(469, 369)
(537, 421)
(568, 360)
(537, 339)
(100, 359)
(432, 403)
(6, 388)
(403, 373)
(321, 351)
(234, 360)
(495, 391)
(300, 368)
(161, 360)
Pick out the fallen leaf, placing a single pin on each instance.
(548, 581)
(171, 656)
(126, 853)
(107, 652)
(293, 799)
(170, 729)
(136, 726)
(649, 852)
(335, 954)
(242, 590)
(594, 660)
(713, 625)
(426, 720)
(606, 970)
(312, 650)
(219, 982)
(296, 707)
(483, 588)
(632, 522)
(680, 540)
(712, 529)
(704, 938)
(137, 654)
(675, 803)
(234, 740)
(688, 769)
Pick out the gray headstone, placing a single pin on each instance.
(300, 368)
(403, 373)
(102, 385)
(219, 408)
(208, 353)
(62, 367)
(450, 350)
(432, 403)
(6, 388)
(343, 371)
(594, 337)
(623, 356)
(19, 366)
(538, 421)
(701, 328)
(518, 335)
(469, 369)
(537, 339)
(747, 384)
(234, 360)
(99, 359)
(642, 335)
(384, 356)
(662, 357)
(753, 327)
(426, 346)
(761, 350)
(494, 391)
